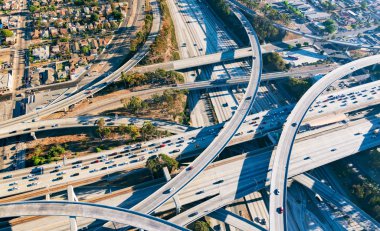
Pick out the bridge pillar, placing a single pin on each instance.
(72, 197)
(175, 197)
(47, 197)
(33, 134)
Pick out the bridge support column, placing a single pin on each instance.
(72, 197)
(175, 197)
(47, 197)
(33, 134)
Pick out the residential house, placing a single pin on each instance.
(41, 53)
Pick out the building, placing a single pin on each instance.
(6, 81)
(318, 16)
(41, 53)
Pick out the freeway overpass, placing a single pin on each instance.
(238, 175)
(343, 204)
(80, 209)
(255, 176)
(221, 140)
(318, 38)
(193, 141)
(284, 149)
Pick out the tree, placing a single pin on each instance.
(85, 49)
(156, 163)
(122, 129)
(306, 44)
(103, 132)
(133, 131)
(101, 122)
(298, 86)
(94, 17)
(148, 130)
(330, 26)
(298, 45)
(117, 14)
(32, 8)
(274, 62)
(201, 226)
(6, 33)
(135, 104)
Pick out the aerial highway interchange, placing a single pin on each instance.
(220, 159)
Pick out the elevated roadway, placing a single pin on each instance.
(80, 209)
(284, 149)
(238, 175)
(310, 151)
(99, 83)
(88, 121)
(318, 38)
(193, 141)
(343, 204)
(225, 135)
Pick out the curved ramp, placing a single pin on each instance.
(80, 209)
(282, 156)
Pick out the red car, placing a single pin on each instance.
(280, 210)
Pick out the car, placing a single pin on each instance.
(85, 167)
(219, 182)
(189, 168)
(13, 189)
(7, 176)
(77, 166)
(170, 190)
(294, 125)
(93, 170)
(103, 168)
(32, 184)
(333, 149)
(277, 191)
(121, 164)
(280, 210)
(13, 183)
(58, 178)
(75, 174)
(61, 173)
(193, 214)
(54, 171)
(30, 176)
(34, 178)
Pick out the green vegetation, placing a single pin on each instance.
(330, 26)
(265, 30)
(102, 131)
(293, 9)
(329, 6)
(201, 226)
(364, 191)
(170, 104)
(158, 77)
(156, 163)
(135, 105)
(274, 62)
(275, 15)
(6, 33)
(53, 154)
(165, 46)
(142, 35)
(86, 2)
(117, 14)
(298, 87)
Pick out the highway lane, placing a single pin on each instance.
(254, 126)
(90, 121)
(203, 85)
(282, 157)
(237, 171)
(80, 209)
(217, 145)
(92, 88)
(346, 143)
(318, 38)
(338, 200)
(234, 220)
